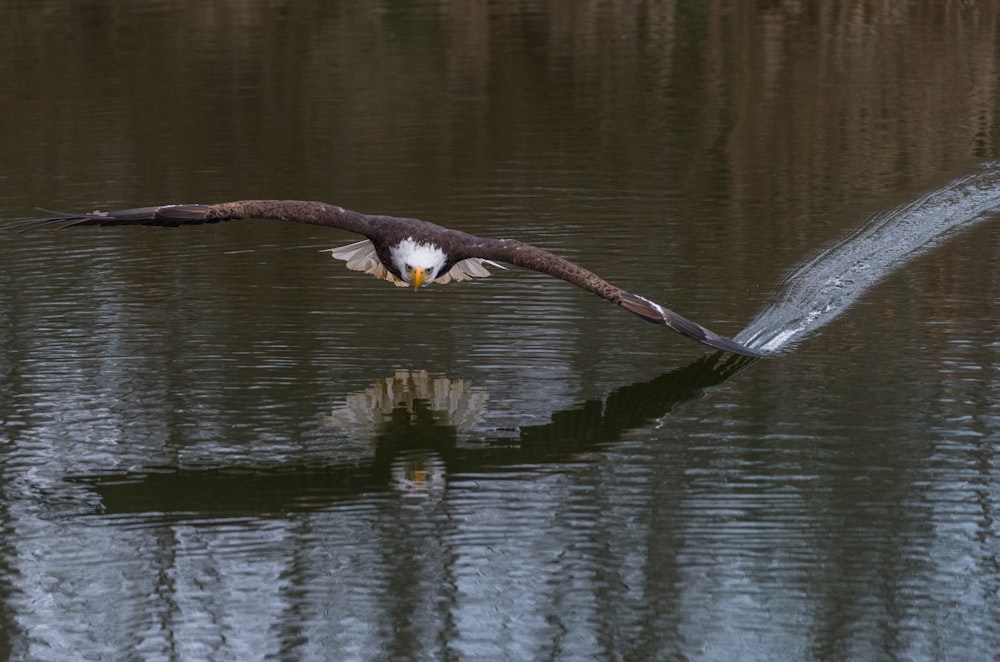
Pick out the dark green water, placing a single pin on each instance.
(218, 443)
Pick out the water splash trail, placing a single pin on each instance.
(827, 284)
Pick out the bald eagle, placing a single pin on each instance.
(406, 251)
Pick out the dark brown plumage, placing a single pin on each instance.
(443, 254)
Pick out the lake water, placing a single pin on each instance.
(218, 443)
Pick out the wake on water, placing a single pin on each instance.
(827, 284)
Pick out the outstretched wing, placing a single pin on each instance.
(316, 213)
(532, 257)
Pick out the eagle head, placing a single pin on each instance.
(418, 263)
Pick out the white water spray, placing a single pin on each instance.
(826, 285)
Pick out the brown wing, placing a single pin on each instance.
(532, 257)
(316, 213)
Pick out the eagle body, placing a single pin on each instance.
(407, 251)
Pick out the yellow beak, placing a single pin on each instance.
(418, 278)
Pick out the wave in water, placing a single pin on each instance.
(827, 284)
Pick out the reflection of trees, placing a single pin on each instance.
(829, 121)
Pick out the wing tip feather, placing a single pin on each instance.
(657, 314)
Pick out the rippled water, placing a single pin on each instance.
(218, 443)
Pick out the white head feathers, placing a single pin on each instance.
(410, 255)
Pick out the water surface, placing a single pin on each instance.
(217, 443)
